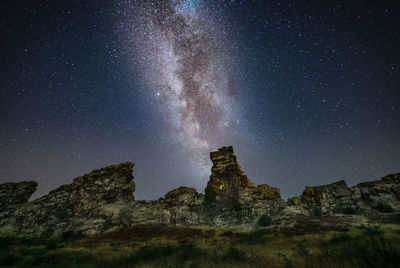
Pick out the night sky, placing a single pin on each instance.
(307, 92)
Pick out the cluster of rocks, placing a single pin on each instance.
(12, 193)
(72, 208)
(103, 200)
(364, 197)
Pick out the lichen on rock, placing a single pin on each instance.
(327, 197)
(362, 197)
(227, 176)
(76, 207)
(182, 195)
(231, 197)
(264, 191)
(103, 200)
(16, 193)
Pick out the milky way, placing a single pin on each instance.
(187, 64)
(307, 93)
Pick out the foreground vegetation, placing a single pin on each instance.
(157, 246)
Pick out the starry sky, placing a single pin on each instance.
(307, 93)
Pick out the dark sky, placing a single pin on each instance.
(307, 92)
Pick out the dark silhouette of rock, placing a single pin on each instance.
(103, 200)
(228, 183)
(364, 197)
(386, 190)
(231, 197)
(73, 207)
(227, 178)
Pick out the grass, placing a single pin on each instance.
(160, 246)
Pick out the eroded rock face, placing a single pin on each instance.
(370, 194)
(364, 197)
(185, 206)
(16, 193)
(231, 197)
(328, 197)
(76, 207)
(266, 192)
(103, 200)
(227, 178)
(181, 195)
(180, 207)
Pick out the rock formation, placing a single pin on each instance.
(327, 197)
(231, 197)
(227, 179)
(72, 208)
(103, 200)
(371, 194)
(363, 197)
(13, 193)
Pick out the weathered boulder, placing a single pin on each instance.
(328, 197)
(368, 195)
(76, 207)
(364, 197)
(264, 191)
(140, 212)
(185, 206)
(180, 207)
(294, 201)
(106, 185)
(181, 195)
(16, 193)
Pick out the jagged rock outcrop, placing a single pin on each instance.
(227, 179)
(371, 194)
(75, 207)
(185, 206)
(182, 195)
(328, 197)
(231, 197)
(264, 191)
(15, 193)
(103, 200)
(364, 197)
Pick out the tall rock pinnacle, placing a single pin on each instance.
(227, 176)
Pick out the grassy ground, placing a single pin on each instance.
(156, 246)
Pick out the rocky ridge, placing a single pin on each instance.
(12, 193)
(72, 208)
(103, 200)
